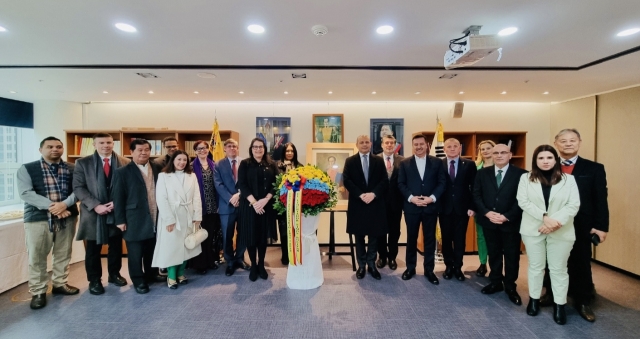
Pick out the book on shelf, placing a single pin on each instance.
(153, 147)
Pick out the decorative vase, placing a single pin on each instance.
(308, 275)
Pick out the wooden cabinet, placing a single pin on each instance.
(79, 143)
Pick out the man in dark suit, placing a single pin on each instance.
(456, 206)
(136, 213)
(365, 177)
(422, 180)
(225, 176)
(592, 218)
(498, 213)
(92, 185)
(393, 202)
(170, 144)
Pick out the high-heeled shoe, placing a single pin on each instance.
(482, 270)
(182, 280)
(533, 307)
(253, 273)
(559, 314)
(262, 272)
(172, 284)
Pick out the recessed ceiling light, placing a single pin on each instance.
(256, 29)
(508, 31)
(330, 92)
(417, 93)
(206, 75)
(196, 92)
(105, 92)
(629, 32)
(461, 92)
(545, 93)
(504, 92)
(2, 29)
(126, 27)
(13, 92)
(285, 92)
(373, 92)
(241, 92)
(386, 29)
(150, 92)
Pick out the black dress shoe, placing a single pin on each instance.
(374, 273)
(96, 288)
(459, 275)
(65, 290)
(393, 265)
(546, 299)
(262, 272)
(492, 288)
(381, 263)
(142, 288)
(253, 273)
(408, 274)
(514, 297)
(229, 271)
(360, 273)
(447, 273)
(586, 312)
(38, 301)
(533, 307)
(117, 280)
(213, 266)
(482, 270)
(156, 278)
(559, 314)
(243, 265)
(432, 278)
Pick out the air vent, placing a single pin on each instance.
(299, 75)
(147, 75)
(448, 76)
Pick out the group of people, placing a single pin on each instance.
(557, 210)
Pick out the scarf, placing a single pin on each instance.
(56, 185)
(104, 196)
(197, 169)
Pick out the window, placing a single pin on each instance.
(16, 147)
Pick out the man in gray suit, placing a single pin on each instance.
(92, 185)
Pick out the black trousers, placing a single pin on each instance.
(282, 229)
(453, 228)
(503, 245)
(389, 249)
(93, 261)
(413, 222)
(140, 255)
(210, 251)
(366, 253)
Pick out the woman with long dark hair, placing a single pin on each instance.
(257, 218)
(289, 161)
(549, 200)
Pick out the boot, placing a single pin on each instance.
(559, 314)
(533, 307)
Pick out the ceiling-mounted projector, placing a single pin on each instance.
(469, 49)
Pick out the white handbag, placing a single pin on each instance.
(195, 238)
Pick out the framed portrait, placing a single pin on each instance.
(275, 132)
(331, 158)
(382, 127)
(328, 128)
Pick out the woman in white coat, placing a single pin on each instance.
(549, 200)
(180, 210)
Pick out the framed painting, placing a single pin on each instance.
(275, 132)
(331, 158)
(328, 128)
(382, 127)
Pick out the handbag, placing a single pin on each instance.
(195, 238)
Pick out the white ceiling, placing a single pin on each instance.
(211, 36)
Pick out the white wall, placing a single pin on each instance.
(52, 117)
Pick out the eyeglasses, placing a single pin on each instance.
(257, 147)
(171, 146)
(501, 153)
(201, 149)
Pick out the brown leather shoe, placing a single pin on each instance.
(65, 290)
(586, 312)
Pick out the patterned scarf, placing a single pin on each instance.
(56, 186)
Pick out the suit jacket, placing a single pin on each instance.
(433, 183)
(564, 201)
(488, 197)
(458, 194)
(393, 198)
(366, 219)
(162, 160)
(592, 185)
(225, 185)
(131, 204)
(88, 189)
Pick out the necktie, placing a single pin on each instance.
(388, 164)
(107, 167)
(499, 178)
(365, 168)
(452, 170)
(234, 170)
(567, 163)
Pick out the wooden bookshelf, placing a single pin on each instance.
(73, 140)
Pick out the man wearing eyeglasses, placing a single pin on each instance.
(498, 213)
(170, 145)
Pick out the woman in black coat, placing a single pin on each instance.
(257, 218)
(289, 161)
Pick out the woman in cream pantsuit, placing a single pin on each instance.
(549, 200)
(179, 209)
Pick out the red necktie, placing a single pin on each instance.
(107, 167)
(234, 170)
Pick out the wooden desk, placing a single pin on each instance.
(332, 237)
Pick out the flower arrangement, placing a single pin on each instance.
(318, 192)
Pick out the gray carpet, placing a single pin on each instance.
(216, 306)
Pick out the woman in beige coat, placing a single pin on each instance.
(549, 200)
(179, 209)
